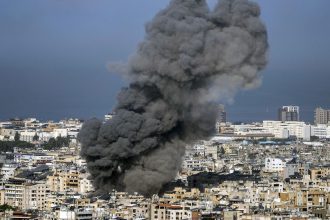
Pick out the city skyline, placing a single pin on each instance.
(53, 63)
(163, 110)
(274, 169)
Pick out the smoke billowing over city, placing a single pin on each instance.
(192, 57)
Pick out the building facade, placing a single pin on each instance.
(288, 113)
(321, 116)
(274, 164)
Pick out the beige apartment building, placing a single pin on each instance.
(169, 212)
(14, 192)
(64, 180)
(23, 195)
(69, 180)
(319, 172)
(35, 196)
(321, 116)
(307, 199)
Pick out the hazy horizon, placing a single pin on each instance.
(54, 55)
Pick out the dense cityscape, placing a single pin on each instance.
(145, 110)
(263, 170)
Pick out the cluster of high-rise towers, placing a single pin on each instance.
(291, 113)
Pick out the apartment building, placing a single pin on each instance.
(169, 212)
(321, 116)
(64, 180)
(274, 165)
(8, 170)
(15, 192)
(321, 131)
(319, 172)
(288, 113)
(280, 129)
(35, 196)
(24, 195)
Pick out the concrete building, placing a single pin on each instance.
(85, 184)
(319, 172)
(14, 192)
(35, 196)
(274, 165)
(222, 115)
(288, 113)
(8, 170)
(321, 116)
(109, 116)
(27, 135)
(64, 180)
(33, 159)
(169, 212)
(284, 130)
(7, 133)
(250, 130)
(24, 195)
(211, 151)
(321, 131)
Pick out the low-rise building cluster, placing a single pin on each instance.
(277, 129)
(34, 131)
(244, 172)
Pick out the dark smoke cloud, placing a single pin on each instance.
(191, 57)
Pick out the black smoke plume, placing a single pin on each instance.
(190, 58)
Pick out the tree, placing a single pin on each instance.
(252, 156)
(5, 207)
(57, 143)
(315, 138)
(17, 136)
(222, 150)
(8, 146)
(35, 137)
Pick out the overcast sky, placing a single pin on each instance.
(53, 56)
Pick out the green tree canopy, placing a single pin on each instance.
(8, 146)
(54, 144)
(17, 136)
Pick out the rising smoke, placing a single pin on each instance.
(191, 58)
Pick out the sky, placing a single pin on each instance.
(54, 53)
